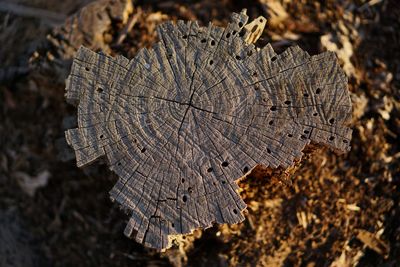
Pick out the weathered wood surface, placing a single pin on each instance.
(180, 123)
(91, 26)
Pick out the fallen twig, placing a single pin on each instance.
(128, 27)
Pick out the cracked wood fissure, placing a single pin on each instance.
(184, 120)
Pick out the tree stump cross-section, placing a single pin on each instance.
(181, 122)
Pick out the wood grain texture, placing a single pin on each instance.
(184, 120)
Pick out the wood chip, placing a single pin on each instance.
(180, 123)
(353, 207)
(373, 242)
(255, 29)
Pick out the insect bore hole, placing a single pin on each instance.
(212, 42)
(274, 58)
(331, 121)
(240, 24)
(273, 108)
(101, 136)
(268, 151)
(331, 138)
(211, 62)
(271, 122)
(143, 150)
(318, 91)
(287, 102)
(210, 169)
(235, 211)
(245, 169)
(184, 198)
(228, 35)
(100, 90)
(224, 164)
(87, 69)
(203, 40)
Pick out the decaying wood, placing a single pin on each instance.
(180, 123)
(89, 26)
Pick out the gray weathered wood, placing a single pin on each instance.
(181, 122)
